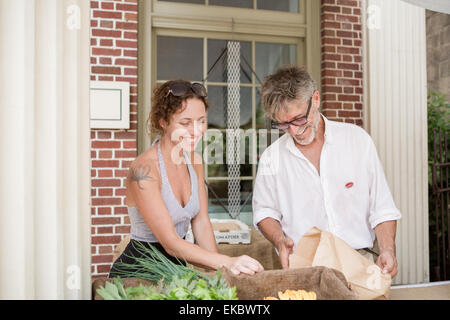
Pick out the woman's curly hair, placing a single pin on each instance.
(165, 105)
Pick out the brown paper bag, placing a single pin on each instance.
(321, 248)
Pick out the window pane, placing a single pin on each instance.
(179, 58)
(278, 5)
(219, 72)
(216, 156)
(186, 1)
(217, 112)
(220, 188)
(232, 3)
(271, 56)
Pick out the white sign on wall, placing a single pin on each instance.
(110, 105)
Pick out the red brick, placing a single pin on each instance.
(332, 73)
(131, 72)
(103, 135)
(348, 66)
(120, 192)
(349, 3)
(331, 9)
(126, 62)
(105, 249)
(346, 97)
(122, 229)
(107, 14)
(103, 269)
(126, 25)
(332, 105)
(105, 144)
(105, 221)
(107, 24)
(347, 18)
(106, 52)
(106, 201)
(106, 33)
(106, 182)
(120, 210)
(105, 174)
(105, 163)
(332, 89)
(105, 154)
(104, 192)
(349, 114)
(106, 70)
(106, 43)
(130, 35)
(104, 210)
(129, 144)
(130, 53)
(103, 230)
(126, 7)
(348, 50)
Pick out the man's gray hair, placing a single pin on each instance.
(288, 83)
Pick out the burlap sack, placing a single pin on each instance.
(328, 284)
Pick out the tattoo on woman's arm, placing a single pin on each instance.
(140, 173)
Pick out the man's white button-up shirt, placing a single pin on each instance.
(349, 198)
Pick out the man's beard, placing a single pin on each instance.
(314, 128)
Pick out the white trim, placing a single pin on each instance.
(421, 285)
(397, 98)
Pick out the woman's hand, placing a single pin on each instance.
(244, 264)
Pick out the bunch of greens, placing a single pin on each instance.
(154, 266)
(173, 281)
(179, 288)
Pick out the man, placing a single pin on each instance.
(321, 173)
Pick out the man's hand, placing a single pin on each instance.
(285, 248)
(387, 262)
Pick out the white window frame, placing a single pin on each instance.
(203, 21)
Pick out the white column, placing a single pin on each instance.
(44, 138)
(397, 112)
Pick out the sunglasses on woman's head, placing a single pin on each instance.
(179, 89)
(298, 122)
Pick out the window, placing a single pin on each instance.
(278, 5)
(189, 39)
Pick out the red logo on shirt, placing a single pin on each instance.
(349, 185)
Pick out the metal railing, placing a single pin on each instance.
(440, 207)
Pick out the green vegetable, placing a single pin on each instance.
(173, 281)
(154, 266)
(184, 288)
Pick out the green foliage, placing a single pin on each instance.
(174, 281)
(438, 113)
(154, 266)
(186, 287)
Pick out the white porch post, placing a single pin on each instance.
(44, 143)
(396, 106)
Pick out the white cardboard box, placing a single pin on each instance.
(243, 235)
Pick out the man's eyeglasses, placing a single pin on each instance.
(179, 89)
(301, 121)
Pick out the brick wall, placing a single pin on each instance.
(113, 58)
(342, 87)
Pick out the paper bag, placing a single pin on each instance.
(321, 248)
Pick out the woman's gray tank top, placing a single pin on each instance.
(181, 217)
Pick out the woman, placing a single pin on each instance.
(165, 185)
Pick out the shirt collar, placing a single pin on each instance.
(328, 134)
(328, 138)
